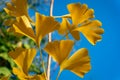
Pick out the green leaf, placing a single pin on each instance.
(4, 71)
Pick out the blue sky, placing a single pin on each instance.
(105, 56)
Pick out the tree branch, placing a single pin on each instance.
(49, 39)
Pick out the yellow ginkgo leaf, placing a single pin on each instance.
(44, 25)
(61, 49)
(20, 74)
(75, 34)
(38, 77)
(9, 22)
(64, 26)
(22, 26)
(80, 13)
(11, 29)
(91, 31)
(82, 22)
(17, 8)
(78, 63)
(23, 58)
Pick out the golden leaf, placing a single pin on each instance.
(61, 48)
(82, 22)
(23, 58)
(20, 74)
(80, 13)
(78, 63)
(23, 26)
(91, 31)
(9, 22)
(65, 26)
(23, 76)
(44, 25)
(17, 8)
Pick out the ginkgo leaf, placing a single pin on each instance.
(59, 50)
(23, 58)
(17, 8)
(91, 31)
(44, 25)
(80, 13)
(38, 77)
(20, 74)
(81, 22)
(78, 63)
(22, 26)
(75, 34)
(9, 22)
(12, 29)
(64, 26)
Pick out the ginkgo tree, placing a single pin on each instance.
(80, 19)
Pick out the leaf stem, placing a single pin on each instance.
(43, 64)
(58, 74)
(49, 39)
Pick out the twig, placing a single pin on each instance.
(63, 16)
(49, 39)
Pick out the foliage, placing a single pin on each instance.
(9, 41)
(79, 19)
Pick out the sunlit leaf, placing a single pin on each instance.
(20, 74)
(23, 76)
(64, 26)
(78, 63)
(44, 25)
(80, 13)
(38, 77)
(23, 58)
(9, 22)
(81, 17)
(23, 26)
(17, 8)
(91, 31)
(61, 49)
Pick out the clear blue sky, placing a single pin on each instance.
(105, 56)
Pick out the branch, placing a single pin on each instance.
(49, 39)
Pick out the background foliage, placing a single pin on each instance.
(8, 41)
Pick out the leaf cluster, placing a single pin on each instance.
(80, 19)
